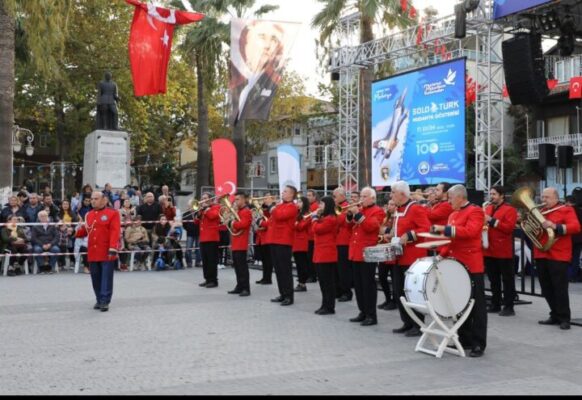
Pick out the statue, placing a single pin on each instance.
(107, 99)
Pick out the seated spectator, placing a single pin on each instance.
(175, 258)
(168, 208)
(75, 202)
(127, 212)
(12, 208)
(149, 211)
(137, 238)
(159, 235)
(81, 247)
(15, 239)
(67, 215)
(86, 192)
(32, 209)
(50, 207)
(22, 198)
(84, 208)
(65, 241)
(45, 239)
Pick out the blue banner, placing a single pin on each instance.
(289, 164)
(418, 126)
(502, 8)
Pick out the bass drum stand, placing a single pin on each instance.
(440, 333)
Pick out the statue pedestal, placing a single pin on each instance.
(106, 159)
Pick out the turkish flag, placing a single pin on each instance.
(576, 87)
(224, 167)
(150, 44)
(404, 5)
(505, 91)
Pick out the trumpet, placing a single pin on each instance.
(311, 214)
(340, 209)
(196, 204)
(255, 200)
(228, 214)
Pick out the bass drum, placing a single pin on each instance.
(422, 285)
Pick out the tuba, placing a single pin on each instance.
(532, 219)
(228, 214)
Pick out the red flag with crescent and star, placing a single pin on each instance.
(576, 87)
(150, 44)
(224, 167)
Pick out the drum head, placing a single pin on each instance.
(456, 283)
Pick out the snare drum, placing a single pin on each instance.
(382, 253)
(421, 285)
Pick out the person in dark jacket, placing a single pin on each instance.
(149, 211)
(45, 239)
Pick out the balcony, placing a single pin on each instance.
(564, 68)
(574, 140)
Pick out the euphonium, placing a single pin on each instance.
(228, 214)
(532, 219)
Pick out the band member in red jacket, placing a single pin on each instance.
(325, 253)
(208, 217)
(263, 232)
(240, 244)
(282, 224)
(464, 228)
(500, 220)
(439, 212)
(553, 264)
(345, 272)
(411, 218)
(384, 268)
(300, 245)
(366, 222)
(313, 199)
(103, 226)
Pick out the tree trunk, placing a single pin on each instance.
(238, 138)
(6, 99)
(203, 160)
(365, 134)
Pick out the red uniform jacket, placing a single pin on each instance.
(366, 225)
(439, 213)
(411, 219)
(464, 228)
(300, 240)
(324, 234)
(500, 230)
(344, 228)
(241, 242)
(208, 221)
(104, 230)
(282, 223)
(261, 232)
(312, 208)
(567, 224)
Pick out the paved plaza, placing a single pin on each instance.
(165, 335)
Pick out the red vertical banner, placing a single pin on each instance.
(224, 167)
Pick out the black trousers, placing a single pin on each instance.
(241, 269)
(223, 247)
(365, 285)
(209, 252)
(345, 272)
(398, 274)
(553, 277)
(281, 257)
(267, 262)
(312, 269)
(300, 258)
(383, 270)
(498, 270)
(474, 331)
(326, 273)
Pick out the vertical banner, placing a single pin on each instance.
(258, 53)
(224, 166)
(289, 166)
(418, 126)
(150, 44)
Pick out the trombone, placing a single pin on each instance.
(196, 204)
(340, 209)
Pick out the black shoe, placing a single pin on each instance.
(403, 328)
(211, 285)
(476, 352)
(381, 306)
(104, 307)
(203, 284)
(413, 332)
(391, 306)
(277, 299)
(452, 346)
(18, 271)
(235, 291)
(507, 312)
(262, 282)
(259, 282)
(326, 312)
(493, 309)
(320, 309)
(361, 317)
(549, 321)
(287, 302)
(97, 306)
(565, 325)
(369, 321)
(300, 288)
(244, 293)
(343, 298)
(311, 280)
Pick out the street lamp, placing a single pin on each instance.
(17, 132)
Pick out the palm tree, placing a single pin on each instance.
(45, 27)
(386, 12)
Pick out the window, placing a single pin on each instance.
(273, 165)
(43, 141)
(557, 126)
(577, 172)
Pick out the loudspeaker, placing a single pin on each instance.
(547, 153)
(524, 69)
(565, 156)
(335, 76)
(460, 21)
